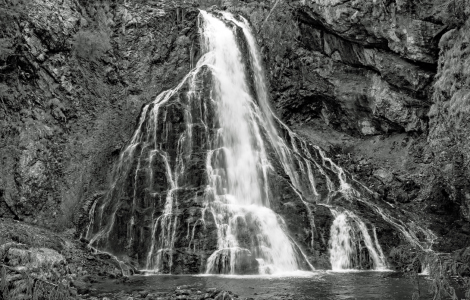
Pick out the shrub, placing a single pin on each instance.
(88, 44)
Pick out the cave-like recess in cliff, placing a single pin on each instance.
(213, 182)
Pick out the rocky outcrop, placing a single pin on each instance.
(36, 262)
(350, 79)
(396, 26)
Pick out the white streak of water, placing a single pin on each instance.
(351, 246)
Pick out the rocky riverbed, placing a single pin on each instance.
(180, 293)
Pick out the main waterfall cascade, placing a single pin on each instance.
(200, 180)
(237, 194)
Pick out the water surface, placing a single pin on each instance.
(297, 286)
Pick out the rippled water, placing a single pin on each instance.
(319, 285)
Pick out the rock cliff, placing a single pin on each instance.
(74, 77)
(382, 85)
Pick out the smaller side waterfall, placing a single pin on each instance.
(351, 246)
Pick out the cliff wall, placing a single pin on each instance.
(74, 77)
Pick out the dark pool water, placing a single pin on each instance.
(318, 285)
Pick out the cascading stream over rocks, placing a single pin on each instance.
(213, 182)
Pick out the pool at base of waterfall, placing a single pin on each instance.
(324, 285)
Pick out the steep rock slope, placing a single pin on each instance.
(73, 80)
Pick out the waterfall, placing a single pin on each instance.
(237, 194)
(204, 183)
(351, 246)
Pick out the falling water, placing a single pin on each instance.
(204, 159)
(237, 194)
(351, 246)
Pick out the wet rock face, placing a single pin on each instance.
(75, 81)
(143, 208)
(159, 213)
